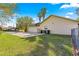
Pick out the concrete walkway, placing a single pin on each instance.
(23, 34)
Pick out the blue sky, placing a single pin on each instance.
(32, 9)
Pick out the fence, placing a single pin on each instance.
(75, 41)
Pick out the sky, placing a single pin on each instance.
(32, 9)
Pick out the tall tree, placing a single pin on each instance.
(39, 16)
(77, 11)
(8, 8)
(6, 11)
(24, 22)
(42, 14)
(4, 19)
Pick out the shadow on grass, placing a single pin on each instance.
(31, 39)
(41, 48)
(50, 45)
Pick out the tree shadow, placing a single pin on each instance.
(31, 39)
(47, 45)
(41, 48)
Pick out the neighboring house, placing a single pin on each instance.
(34, 28)
(58, 25)
(10, 28)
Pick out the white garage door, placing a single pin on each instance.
(32, 29)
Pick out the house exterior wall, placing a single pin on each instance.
(32, 29)
(58, 25)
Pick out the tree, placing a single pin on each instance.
(42, 14)
(23, 23)
(39, 16)
(77, 19)
(6, 11)
(77, 11)
(8, 8)
(4, 19)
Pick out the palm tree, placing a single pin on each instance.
(43, 12)
(24, 22)
(39, 16)
(77, 11)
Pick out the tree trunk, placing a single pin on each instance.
(26, 29)
(39, 20)
(43, 17)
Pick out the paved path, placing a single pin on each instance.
(23, 34)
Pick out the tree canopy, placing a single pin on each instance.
(24, 22)
(42, 14)
(8, 8)
(6, 11)
(77, 11)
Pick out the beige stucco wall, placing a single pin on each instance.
(32, 29)
(59, 26)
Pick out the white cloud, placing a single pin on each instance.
(54, 3)
(70, 13)
(70, 5)
(67, 16)
(40, 1)
(16, 15)
(36, 20)
(65, 6)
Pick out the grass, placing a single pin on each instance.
(43, 45)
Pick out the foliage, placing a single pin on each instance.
(42, 14)
(24, 22)
(77, 11)
(4, 19)
(77, 19)
(43, 11)
(8, 8)
(39, 16)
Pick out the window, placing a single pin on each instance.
(45, 27)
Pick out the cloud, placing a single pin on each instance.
(54, 3)
(65, 6)
(67, 16)
(70, 5)
(36, 20)
(16, 15)
(70, 13)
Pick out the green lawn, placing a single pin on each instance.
(40, 45)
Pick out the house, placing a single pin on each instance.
(8, 28)
(58, 25)
(34, 28)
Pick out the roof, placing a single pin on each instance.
(59, 17)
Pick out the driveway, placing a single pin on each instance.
(23, 34)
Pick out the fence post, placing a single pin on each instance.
(75, 41)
